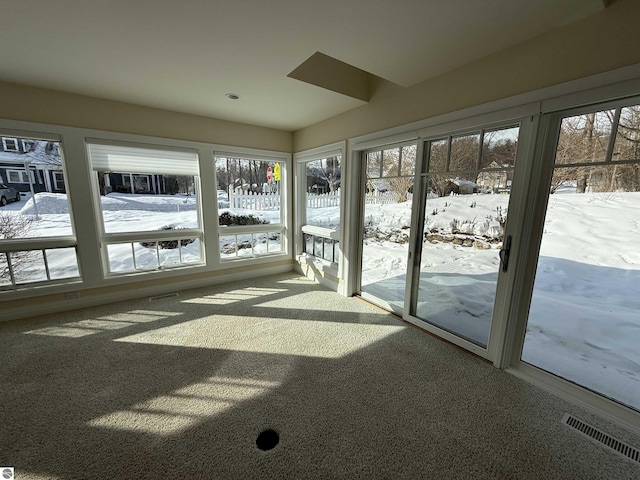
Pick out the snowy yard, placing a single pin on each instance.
(584, 323)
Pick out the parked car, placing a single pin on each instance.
(8, 194)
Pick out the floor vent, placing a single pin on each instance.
(605, 439)
(159, 297)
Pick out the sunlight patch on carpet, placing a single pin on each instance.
(91, 326)
(185, 407)
(63, 331)
(227, 297)
(36, 476)
(210, 300)
(282, 336)
(140, 316)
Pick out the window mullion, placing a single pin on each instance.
(614, 134)
(480, 145)
(46, 264)
(10, 267)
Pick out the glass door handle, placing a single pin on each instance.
(504, 253)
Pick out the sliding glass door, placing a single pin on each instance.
(584, 316)
(519, 242)
(465, 192)
(387, 218)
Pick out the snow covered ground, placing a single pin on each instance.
(584, 323)
(132, 213)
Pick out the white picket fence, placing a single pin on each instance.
(331, 199)
(271, 201)
(255, 201)
(383, 198)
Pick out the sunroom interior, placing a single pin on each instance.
(489, 196)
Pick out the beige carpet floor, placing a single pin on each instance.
(180, 387)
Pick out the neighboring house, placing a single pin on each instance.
(139, 183)
(27, 164)
(495, 180)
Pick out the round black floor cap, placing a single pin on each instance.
(267, 439)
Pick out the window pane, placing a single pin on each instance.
(25, 264)
(308, 243)
(583, 322)
(317, 246)
(499, 148)
(328, 249)
(151, 202)
(438, 153)
(323, 175)
(274, 242)
(323, 194)
(120, 257)
(5, 275)
(10, 144)
(494, 181)
(146, 257)
(464, 153)
(62, 263)
(374, 162)
(627, 145)
(459, 263)
(408, 162)
(45, 214)
(391, 162)
(254, 192)
(28, 266)
(584, 138)
(228, 247)
(386, 229)
(169, 257)
(191, 251)
(244, 244)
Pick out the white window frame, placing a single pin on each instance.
(86, 222)
(124, 149)
(39, 244)
(58, 180)
(27, 145)
(542, 167)
(285, 212)
(22, 174)
(618, 84)
(329, 269)
(127, 179)
(13, 141)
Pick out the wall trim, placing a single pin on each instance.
(141, 291)
(595, 403)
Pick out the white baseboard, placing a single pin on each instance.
(136, 291)
(614, 412)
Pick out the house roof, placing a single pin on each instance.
(38, 156)
(185, 56)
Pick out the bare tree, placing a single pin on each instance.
(399, 188)
(14, 227)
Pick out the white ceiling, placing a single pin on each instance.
(184, 55)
